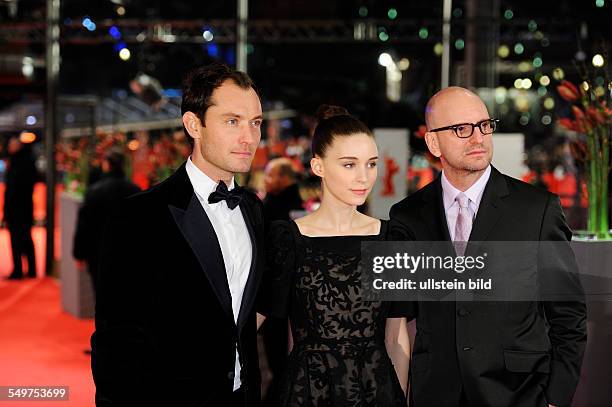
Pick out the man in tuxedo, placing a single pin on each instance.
(477, 353)
(175, 318)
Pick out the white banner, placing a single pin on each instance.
(391, 186)
(509, 154)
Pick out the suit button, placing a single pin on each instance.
(231, 375)
(462, 312)
(466, 348)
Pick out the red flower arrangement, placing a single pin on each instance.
(592, 119)
(75, 157)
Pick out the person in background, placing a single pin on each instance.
(282, 190)
(101, 200)
(19, 206)
(282, 198)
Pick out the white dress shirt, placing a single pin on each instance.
(233, 237)
(474, 193)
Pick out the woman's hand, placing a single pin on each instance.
(397, 343)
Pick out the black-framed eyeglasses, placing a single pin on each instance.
(465, 130)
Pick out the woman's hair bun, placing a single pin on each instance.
(327, 111)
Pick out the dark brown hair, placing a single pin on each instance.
(200, 83)
(116, 161)
(334, 121)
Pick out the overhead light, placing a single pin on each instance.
(519, 48)
(549, 103)
(438, 48)
(558, 74)
(537, 62)
(542, 91)
(403, 64)
(503, 51)
(524, 66)
(27, 137)
(89, 24)
(208, 35)
(580, 55)
(532, 25)
(124, 54)
(385, 59)
(598, 61)
(27, 67)
(133, 145)
(114, 32)
(500, 94)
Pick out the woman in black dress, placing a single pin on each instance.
(346, 351)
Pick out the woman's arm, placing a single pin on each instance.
(397, 343)
(260, 320)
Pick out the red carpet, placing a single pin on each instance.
(38, 236)
(40, 345)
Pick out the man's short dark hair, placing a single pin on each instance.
(116, 161)
(285, 169)
(200, 83)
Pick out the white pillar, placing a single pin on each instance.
(241, 37)
(446, 28)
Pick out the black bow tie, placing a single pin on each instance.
(232, 197)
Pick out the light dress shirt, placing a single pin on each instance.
(474, 194)
(234, 240)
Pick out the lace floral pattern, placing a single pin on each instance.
(339, 357)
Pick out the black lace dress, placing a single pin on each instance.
(339, 356)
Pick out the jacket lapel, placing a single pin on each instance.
(491, 206)
(196, 228)
(432, 212)
(252, 282)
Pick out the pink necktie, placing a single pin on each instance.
(463, 227)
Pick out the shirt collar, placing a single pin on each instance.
(474, 193)
(203, 185)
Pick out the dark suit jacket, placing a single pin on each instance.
(20, 179)
(101, 200)
(498, 353)
(165, 332)
(278, 207)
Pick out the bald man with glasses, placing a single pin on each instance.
(487, 353)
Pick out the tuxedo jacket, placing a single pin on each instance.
(165, 332)
(512, 354)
